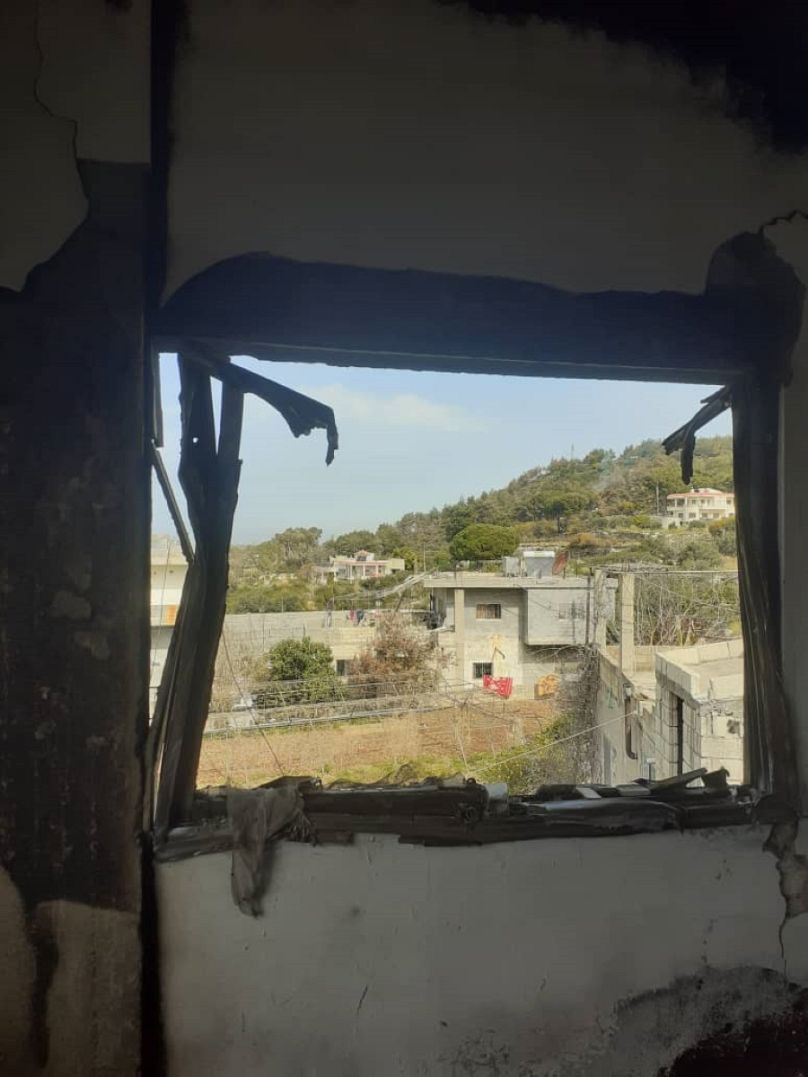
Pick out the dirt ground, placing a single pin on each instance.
(435, 741)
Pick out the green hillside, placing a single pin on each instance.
(574, 503)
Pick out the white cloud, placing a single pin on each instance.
(402, 409)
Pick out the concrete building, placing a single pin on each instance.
(663, 711)
(518, 627)
(528, 561)
(700, 703)
(677, 709)
(364, 565)
(515, 626)
(167, 575)
(702, 504)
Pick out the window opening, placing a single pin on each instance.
(489, 611)
(679, 734)
(279, 694)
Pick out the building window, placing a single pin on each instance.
(482, 669)
(679, 711)
(344, 667)
(489, 611)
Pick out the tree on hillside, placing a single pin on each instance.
(458, 516)
(421, 529)
(348, 544)
(278, 597)
(412, 558)
(388, 539)
(287, 551)
(554, 504)
(298, 545)
(483, 542)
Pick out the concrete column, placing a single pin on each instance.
(74, 650)
(626, 621)
(460, 633)
(599, 609)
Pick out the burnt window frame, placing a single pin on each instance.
(742, 335)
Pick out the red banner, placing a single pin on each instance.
(501, 686)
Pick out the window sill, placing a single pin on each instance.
(454, 814)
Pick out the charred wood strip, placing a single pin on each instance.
(468, 802)
(209, 477)
(768, 736)
(442, 830)
(209, 474)
(430, 816)
(302, 413)
(685, 437)
(173, 505)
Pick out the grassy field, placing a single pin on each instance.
(485, 741)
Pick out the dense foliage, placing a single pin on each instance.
(483, 542)
(294, 670)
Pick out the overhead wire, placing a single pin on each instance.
(251, 710)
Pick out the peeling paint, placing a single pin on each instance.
(791, 866)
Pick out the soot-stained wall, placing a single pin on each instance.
(416, 134)
(74, 535)
(565, 957)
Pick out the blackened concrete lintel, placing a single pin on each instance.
(277, 308)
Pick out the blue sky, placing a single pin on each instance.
(414, 441)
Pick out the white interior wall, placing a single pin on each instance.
(531, 958)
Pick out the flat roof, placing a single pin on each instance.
(717, 668)
(490, 582)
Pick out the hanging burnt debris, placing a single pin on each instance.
(209, 472)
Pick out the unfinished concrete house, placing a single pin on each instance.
(530, 188)
(519, 627)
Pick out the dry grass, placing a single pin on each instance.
(437, 742)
